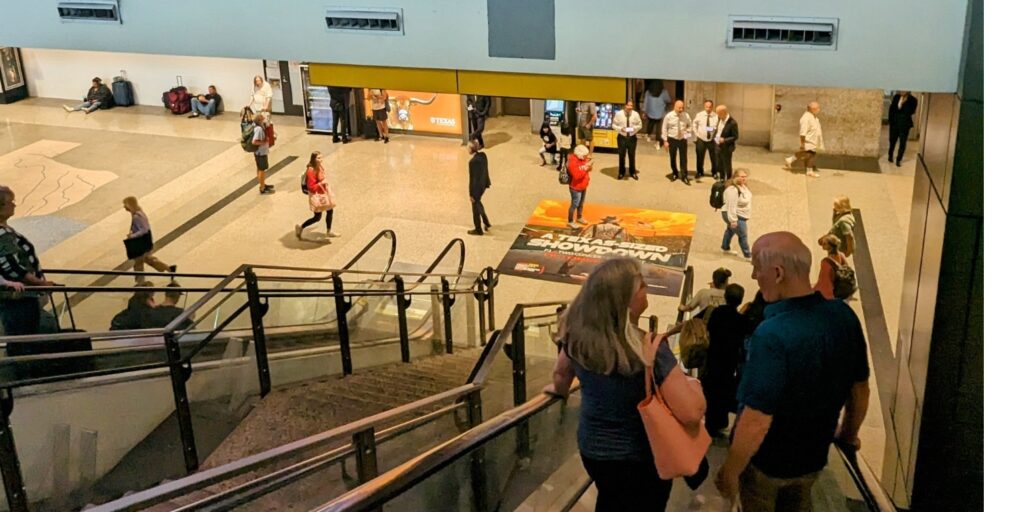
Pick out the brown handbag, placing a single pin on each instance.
(678, 451)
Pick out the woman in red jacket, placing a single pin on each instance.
(321, 196)
(827, 274)
(580, 166)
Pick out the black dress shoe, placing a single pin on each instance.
(474, 232)
(898, 163)
(487, 227)
(335, 140)
(890, 158)
(620, 177)
(634, 176)
(346, 140)
(686, 181)
(673, 177)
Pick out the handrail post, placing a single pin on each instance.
(492, 281)
(481, 296)
(478, 466)
(71, 313)
(259, 338)
(519, 383)
(14, 483)
(366, 455)
(447, 299)
(179, 377)
(342, 305)
(403, 325)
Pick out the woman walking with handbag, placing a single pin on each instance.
(321, 196)
(602, 346)
(139, 242)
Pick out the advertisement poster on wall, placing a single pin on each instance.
(549, 250)
(422, 112)
(10, 68)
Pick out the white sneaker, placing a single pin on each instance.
(789, 161)
(332, 234)
(573, 225)
(68, 109)
(581, 220)
(298, 231)
(812, 174)
(727, 251)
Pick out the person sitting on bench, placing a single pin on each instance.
(99, 96)
(206, 104)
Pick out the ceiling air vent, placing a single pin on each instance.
(365, 21)
(89, 11)
(789, 33)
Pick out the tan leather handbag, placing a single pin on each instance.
(678, 451)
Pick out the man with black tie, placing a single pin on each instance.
(901, 120)
(478, 106)
(725, 141)
(479, 182)
(339, 113)
(627, 124)
(705, 125)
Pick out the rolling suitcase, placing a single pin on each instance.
(122, 89)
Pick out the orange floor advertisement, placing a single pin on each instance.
(422, 112)
(548, 249)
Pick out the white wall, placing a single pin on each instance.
(907, 44)
(66, 74)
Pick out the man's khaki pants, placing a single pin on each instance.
(762, 493)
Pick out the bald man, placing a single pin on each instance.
(676, 129)
(725, 142)
(811, 141)
(807, 363)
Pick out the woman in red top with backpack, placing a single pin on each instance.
(579, 178)
(321, 197)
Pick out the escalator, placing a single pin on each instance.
(510, 453)
(91, 425)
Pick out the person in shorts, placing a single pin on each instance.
(259, 137)
(586, 113)
(379, 106)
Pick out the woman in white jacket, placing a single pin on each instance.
(736, 213)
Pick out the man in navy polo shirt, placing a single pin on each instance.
(807, 362)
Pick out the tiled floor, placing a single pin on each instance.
(417, 186)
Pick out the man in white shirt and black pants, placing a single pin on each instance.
(811, 140)
(627, 124)
(705, 124)
(675, 131)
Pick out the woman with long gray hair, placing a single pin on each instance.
(602, 345)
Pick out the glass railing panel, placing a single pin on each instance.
(76, 447)
(497, 476)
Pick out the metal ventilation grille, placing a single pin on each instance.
(352, 20)
(769, 32)
(93, 11)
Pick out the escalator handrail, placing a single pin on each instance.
(386, 233)
(203, 479)
(874, 496)
(442, 254)
(381, 489)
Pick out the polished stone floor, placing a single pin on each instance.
(417, 186)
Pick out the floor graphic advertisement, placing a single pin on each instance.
(548, 249)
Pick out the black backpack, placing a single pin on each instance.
(845, 282)
(305, 184)
(718, 195)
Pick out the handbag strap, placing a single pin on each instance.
(649, 380)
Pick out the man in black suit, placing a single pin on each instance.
(479, 106)
(479, 182)
(901, 120)
(725, 140)
(339, 113)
